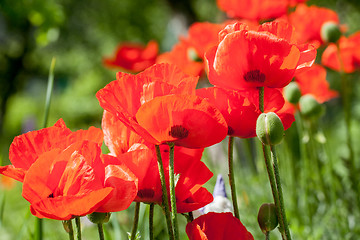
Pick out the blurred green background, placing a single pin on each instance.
(79, 34)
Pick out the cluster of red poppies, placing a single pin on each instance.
(65, 174)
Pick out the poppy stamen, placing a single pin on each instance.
(178, 131)
(254, 76)
(51, 195)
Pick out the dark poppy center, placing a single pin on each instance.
(254, 76)
(178, 131)
(146, 193)
(51, 195)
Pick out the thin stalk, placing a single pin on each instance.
(346, 101)
(38, 229)
(172, 192)
(191, 216)
(232, 177)
(39, 222)
(165, 200)
(71, 230)
(151, 221)
(78, 228)
(274, 191)
(261, 99)
(101, 231)
(136, 221)
(49, 91)
(267, 235)
(280, 193)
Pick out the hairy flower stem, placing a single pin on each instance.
(261, 99)
(267, 235)
(274, 179)
(78, 228)
(136, 221)
(274, 191)
(232, 177)
(38, 229)
(101, 231)
(68, 227)
(280, 193)
(172, 192)
(165, 200)
(151, 221)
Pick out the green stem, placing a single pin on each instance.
(267, 235)
(151, 221)
(136, 221)
(101, 231)
(165, 200)
(346, 101)
(232, 177)
(274, 191)
(49, 91)
(172, 192)
(191, 216)
(69, 228)
(39, 222)
(38, 229)
(78, 228)
(261, 99)
(280, 193)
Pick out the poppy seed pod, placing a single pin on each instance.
(310, 107)
(99, 217)
(269, 128)
(330, 32)
(292, 92)
(267, 217)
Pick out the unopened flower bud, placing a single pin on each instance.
(292, 92)
(98, 217)
(267, 217)
(269, 128)
(330, 32)
(193, 56)
(310, 107)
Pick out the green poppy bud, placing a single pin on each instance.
(98, 217)
(310, 107)
(269, 128)
(193, 56)
(330, 32)
(267, 217)
(292, 92)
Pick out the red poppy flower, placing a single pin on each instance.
(188, 54)
(62, 184)
(308, 22)
(192, 172)
(26, 148)
(267, 57)
(240, 108)
(214, 226)
(142, 103)
(254, 9)
(349, 60)
(133, 57)
(314, 82)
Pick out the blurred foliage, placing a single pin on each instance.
(79, 34)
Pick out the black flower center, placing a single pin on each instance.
(178, 131)
(254, 76)
(146, 193)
